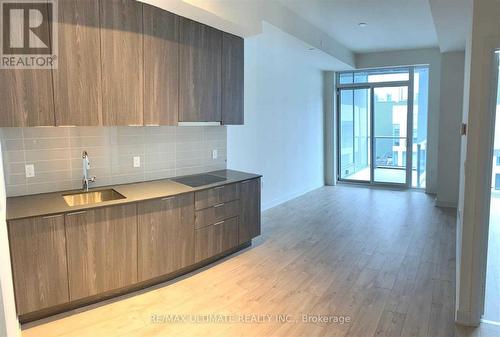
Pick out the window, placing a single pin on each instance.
(498, 160)
(375, 76)
(396, 132)
(497, 181)
(374, 111)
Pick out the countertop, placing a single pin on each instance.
(53, 203)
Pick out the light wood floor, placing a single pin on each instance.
(384, 259)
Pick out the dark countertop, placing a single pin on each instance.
(53, 203)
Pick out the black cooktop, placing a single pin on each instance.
(197, 180)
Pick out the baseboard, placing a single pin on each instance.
(277, 201)
(446, 204)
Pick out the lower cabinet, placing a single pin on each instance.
(166, 235)
(38, 253)
(249, 227)
(64, 258)
(215, 239)
(102, 249)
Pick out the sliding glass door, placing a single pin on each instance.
(390, 141)
(377, 128)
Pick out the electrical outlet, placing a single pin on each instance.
(30, 171)
(137, 161)
(215, 154)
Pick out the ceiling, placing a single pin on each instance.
(453, 21)
(391, 24)
(332, 26)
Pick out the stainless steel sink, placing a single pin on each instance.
(93, 197)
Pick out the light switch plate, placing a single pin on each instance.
(30, 170)
(215, 154)
(137, 161)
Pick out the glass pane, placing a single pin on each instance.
(391, 105)
(345, 78)
(373, 78)
(376, 75)
(390, 160)
(360, 77)
(420, 109)
(354, 134)
(390, 130)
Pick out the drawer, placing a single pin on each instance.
(215, 239)
(216, 195)
(219, 212)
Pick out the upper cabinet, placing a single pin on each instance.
(200, 72)
(161, 66)
(232, 79)
(121, 62)
(77, 79)
(26, 96)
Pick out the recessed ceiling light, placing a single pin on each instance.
(362, 24)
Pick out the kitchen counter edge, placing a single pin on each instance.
(48, 204)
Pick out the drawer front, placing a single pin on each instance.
(219, 212)
(215, 239)
(216, 195)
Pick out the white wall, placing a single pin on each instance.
(282, 138)
(432, 57)
(450, 117)
(9, 325)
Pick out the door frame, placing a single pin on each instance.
(478, 298)
(409, 127)
(473, 215)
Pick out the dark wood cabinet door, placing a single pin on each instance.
(102, 249)
(200, 72)
(166, 235)
(122, 62)
(77, 79)
(232, 79)
(26, 96)
(38, 253)
(250, 210)
(161, 66)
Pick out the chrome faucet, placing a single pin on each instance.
(86, 166)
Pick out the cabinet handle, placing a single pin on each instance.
(219, 205)
(219, 223)
(51, 216)
(167, 198)
(153, 124)
(76, 213)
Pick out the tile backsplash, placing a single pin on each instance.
(56, 153)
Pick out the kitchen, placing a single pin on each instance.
(135, 97)
(202, 167)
